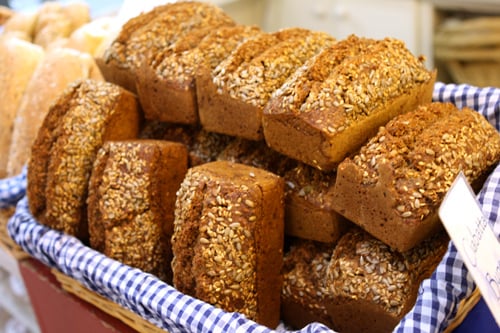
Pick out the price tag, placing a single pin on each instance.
(474, 239)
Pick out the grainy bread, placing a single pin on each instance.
(166, 85)
(393, 187)
(309, 213)
(372, 286)
(131, 201)
(322, 115)
(228, 239)
(149, 33)
(232, 100)
(82, 118)
(18, 61)
(53, 74)
(305, 294)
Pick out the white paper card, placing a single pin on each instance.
(474, 239)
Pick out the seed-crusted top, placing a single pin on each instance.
(80, 136)
(211, 50)
(426, 149)
(364, 268)
(363, 83)
(223, 259)
(305, 267)
(152, 32)
(254, 81)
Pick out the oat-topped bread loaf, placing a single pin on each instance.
(305, 294)
(87, 114)
(309, 213)
(340, 98)
(393, 187)
(232, 98)
(166, 84)
(151, 32)
(132, 193)
(372, 286)
(228, 239)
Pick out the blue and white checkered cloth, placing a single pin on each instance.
(164, 306)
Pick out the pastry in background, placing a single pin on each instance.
(18, 61)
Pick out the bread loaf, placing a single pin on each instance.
(151, 32)
(132, 193)
(228, 239)
(232, 99)
(339, 99)
(54, 73)
(5, 14)
(18, 60)
(393, 187)
(309, 213)
(87, 114)
(167, 86)
(372, 286)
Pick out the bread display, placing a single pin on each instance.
(228, 239)
(166, 85)
(309, 212)
(60, 67)
(233, 97)
(152, 32)
(132, 193)
(87, 114)
(372, 286)
(322, 115)
(393, 187)
(18, 60)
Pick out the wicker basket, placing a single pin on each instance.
(140, 324)
(113, 309)
(6, 243)
(470, 50)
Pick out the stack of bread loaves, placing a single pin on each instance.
(285, 175)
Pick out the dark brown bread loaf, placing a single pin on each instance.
(372, 286)
(87, 114)
(305, 294)
(393, 187)
(340, 98)
(228, 239)
(309, 213)
(132, 193)
(166, 85)
(232, 99)
(149, 33)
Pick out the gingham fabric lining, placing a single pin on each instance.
(164, 306)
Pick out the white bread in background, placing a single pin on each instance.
(57, 70)
(18, 60)
(21, 23)
(5, 14)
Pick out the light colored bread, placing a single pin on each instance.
(394, 186)
(132, 193)
(86, 115)
(56, 71)
(345, 107)
(228, 239)
(18, 60)
(5, 14)
(242, 84)
(21, 23)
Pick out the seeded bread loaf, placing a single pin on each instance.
(18, 61)
(151, 32)
(372, 286)
(305, 294)
(338, 100)
(232, 98)
(166, 85)
(87, 114)
(54, 73)
(308, 211)
(228, 239)
(393, 187)
(132, 193)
